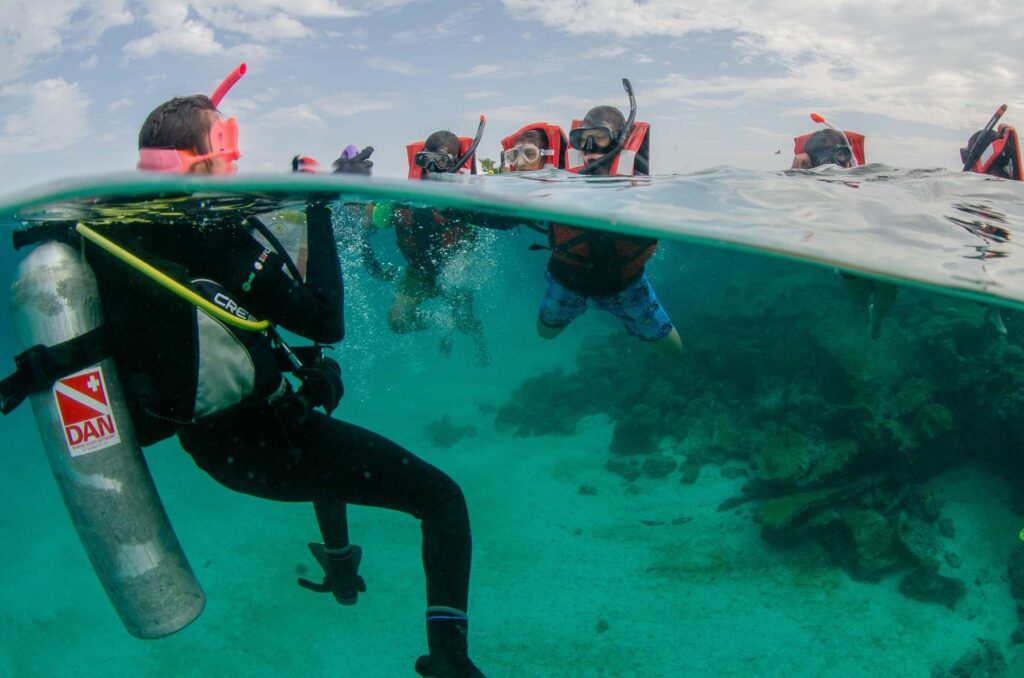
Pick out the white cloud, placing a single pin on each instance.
(479, 71)
(917, 62)
(390, 66)
(89, 63)
(40, 30)
(292, 116)
(345, 105)
(49, 115)
(123, 102)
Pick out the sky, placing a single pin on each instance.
(728, 83)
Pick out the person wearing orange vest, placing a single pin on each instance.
(589, 267)
(536, 146)
(431, 240)
(827, 146)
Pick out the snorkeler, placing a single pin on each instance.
(434, 242)
(994, 151)
(535, 146)
(222, 390)
(589, 267)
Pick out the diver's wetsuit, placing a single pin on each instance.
(263, 448)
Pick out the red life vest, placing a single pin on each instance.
(856, 143)
(625, 255)
(624, 163)
(557, 142)
(464, 144)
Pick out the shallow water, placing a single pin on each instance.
(596, 471)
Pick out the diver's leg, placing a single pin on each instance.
(467, 323)
(670, 345)
(642, 315)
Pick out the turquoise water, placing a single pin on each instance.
(596, 470)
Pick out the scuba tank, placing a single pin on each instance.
(68, 376)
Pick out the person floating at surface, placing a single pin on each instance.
(242, 422)
(535, 146)
(995, 152)
(828, 146)
(846, 149)
(434, 243)
(590, 267)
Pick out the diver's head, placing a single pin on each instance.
(186, 135)
(528, 151)
(827, 146)
(440, 153)
(598, 134)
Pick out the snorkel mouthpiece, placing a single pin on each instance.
(226, 84)
(627, 130)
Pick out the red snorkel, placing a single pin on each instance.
(228, 82)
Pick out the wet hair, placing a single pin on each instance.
(533, 136)
(609, 116)
(821, 141)
(181, 123)
(442, 141)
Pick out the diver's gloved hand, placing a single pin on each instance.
(321, 383)
(341, 573)
(352, 161)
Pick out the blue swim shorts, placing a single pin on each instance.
(637, 307)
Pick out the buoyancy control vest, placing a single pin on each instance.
(634, 158)
(415, 172)
(856, 143)
(180, 364)
(558, 143)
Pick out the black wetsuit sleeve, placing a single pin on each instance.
(498, 222)
(312, 309)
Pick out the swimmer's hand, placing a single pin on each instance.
(321, 384)
(360, 163)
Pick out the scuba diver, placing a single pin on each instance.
(222, 390)
(535, 146)
(589, 267)
(434, 243)
(994, 151)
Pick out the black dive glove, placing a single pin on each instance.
(341, 573)
(321, 383)
(352, 162)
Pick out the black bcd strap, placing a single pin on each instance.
(39, 367)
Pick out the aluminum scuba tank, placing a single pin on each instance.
(96, 460)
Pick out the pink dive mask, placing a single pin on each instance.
(223, 140)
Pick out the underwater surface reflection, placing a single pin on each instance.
(826, 482)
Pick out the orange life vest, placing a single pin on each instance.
(638, 144)
(557, 142)
(856, 143)
(464, 144)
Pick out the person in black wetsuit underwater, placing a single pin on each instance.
(243, 423)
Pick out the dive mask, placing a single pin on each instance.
(435, 161)
(223, 144)
(525, 154)
(592, 139)
(836, 155)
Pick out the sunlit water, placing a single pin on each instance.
(596, 470)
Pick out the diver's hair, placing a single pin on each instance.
(822, 140)
(599, 116)
(442, 140)
(989, 138)
(180, 123)
(533, 136)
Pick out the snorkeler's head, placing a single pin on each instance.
(997, 154)
(442, 141)
(828, 146)
(605, 116)
(187, 135)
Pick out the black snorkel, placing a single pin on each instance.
(979, 145)
(472, 147)
(609, 157)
